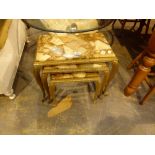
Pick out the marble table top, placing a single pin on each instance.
(72, 46)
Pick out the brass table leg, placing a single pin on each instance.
(36, 71)
(45, 84)
(105, 80)
(107, 76)
(52, 90)
(98, 88)
(113, 70)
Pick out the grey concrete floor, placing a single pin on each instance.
(113, 114)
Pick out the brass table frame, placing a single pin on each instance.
(101, 72)
(96, 78)
(38, 67)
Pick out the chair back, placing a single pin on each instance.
(151, 44)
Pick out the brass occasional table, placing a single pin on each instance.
(97, 73)
(62, 49)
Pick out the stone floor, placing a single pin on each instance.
(112, 115)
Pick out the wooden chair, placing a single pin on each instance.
(136, 62)
(153, 27)
(142, 23)
(150, 93)
(145, 61)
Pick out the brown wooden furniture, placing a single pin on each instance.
(136, 62)
(147, 58)
(149, 94)
(153, 27)
(142, 23)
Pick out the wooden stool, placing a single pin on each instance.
(144, 68)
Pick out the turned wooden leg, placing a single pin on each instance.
(151, 92)
(139, 76)
(98, 90)
(45, 84)
(36, 71)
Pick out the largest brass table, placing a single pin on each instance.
(96, 50)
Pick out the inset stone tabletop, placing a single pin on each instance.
(68, 46)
